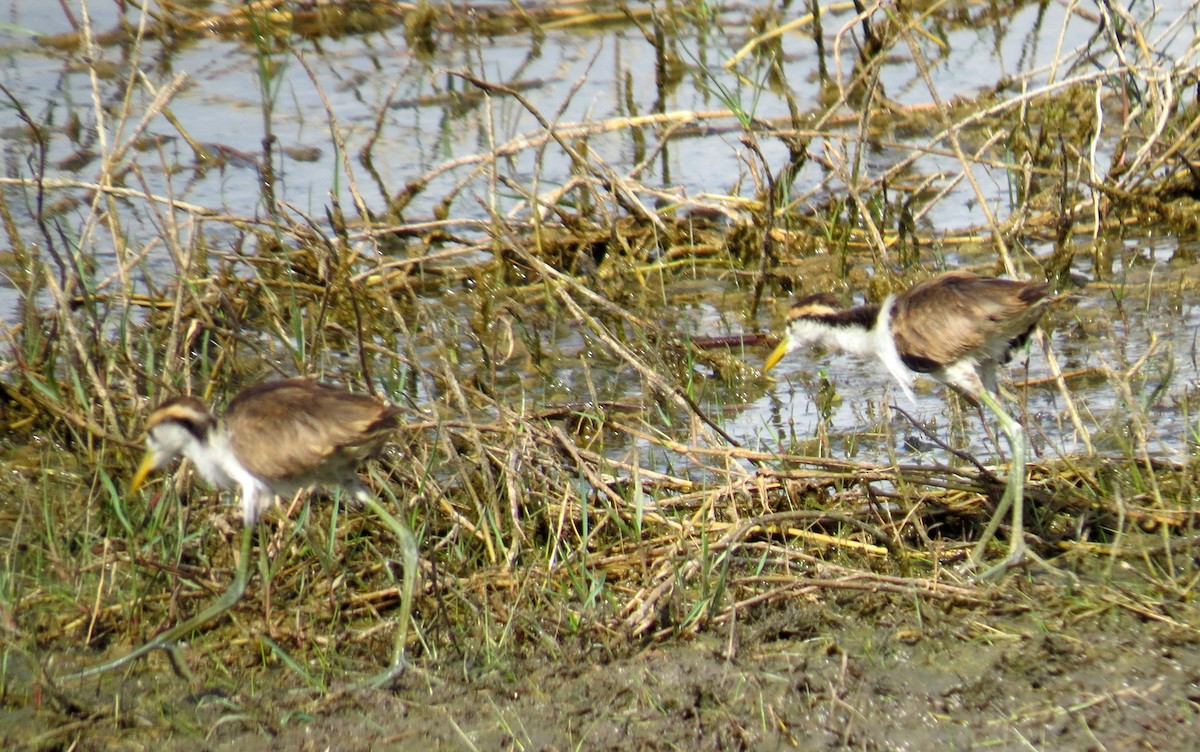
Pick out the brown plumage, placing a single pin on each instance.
(319, 433)
(958, 315)
(958, 328)
(275, 439)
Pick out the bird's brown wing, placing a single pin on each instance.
(284, 429)
(954, 314)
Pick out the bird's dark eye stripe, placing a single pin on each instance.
(198, 428)
(861, 317)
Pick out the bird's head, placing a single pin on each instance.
(175, 427)
(811, 308)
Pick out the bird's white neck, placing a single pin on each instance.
(884, 346)
(852, 339)
(861, 336)
(215, 461)
(211, 458)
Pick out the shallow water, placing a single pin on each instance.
(359, 75)
(425, 128)
(791, 645)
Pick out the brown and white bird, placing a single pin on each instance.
(956, 327)
(275, 439)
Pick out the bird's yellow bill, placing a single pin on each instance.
(776, 355)
(143, 471)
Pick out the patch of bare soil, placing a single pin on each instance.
(1047, 667)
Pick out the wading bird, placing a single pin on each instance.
(275, 439)
(956, 327)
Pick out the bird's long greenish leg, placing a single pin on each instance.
(166, 640)
(408, 557)
(1014, 493)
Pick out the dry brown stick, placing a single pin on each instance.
(638, 611)
(114, 190)
(775, 518)
(861, 582)
(565, 282)
(826, 465)
(778, 31)
(646, 475)
(617, 187)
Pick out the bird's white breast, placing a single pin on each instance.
(884, 346)
(216, 463)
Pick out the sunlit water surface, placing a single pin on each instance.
(575, 76)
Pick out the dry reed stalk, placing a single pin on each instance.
(513, 503)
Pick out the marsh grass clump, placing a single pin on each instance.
(568, 334)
